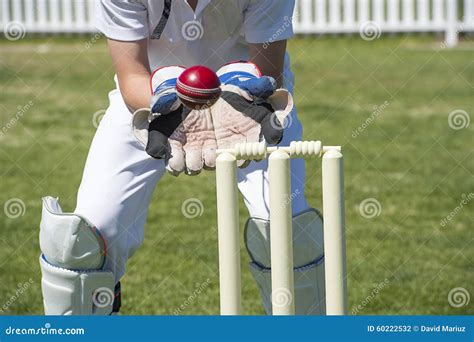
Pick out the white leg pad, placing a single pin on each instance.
(308, 256)
(68, 292)
(73, 255)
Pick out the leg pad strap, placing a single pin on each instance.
(308, 256)
(68, 292)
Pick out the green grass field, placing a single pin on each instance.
(387, 102)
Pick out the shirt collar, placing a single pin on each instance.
(201, 5)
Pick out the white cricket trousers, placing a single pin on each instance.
(119, 179)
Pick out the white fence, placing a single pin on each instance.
(368, 17)
(371, 18)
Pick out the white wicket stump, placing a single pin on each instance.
(281, 242)
(334, 236)
(228, 234)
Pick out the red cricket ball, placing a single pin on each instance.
(198, 87)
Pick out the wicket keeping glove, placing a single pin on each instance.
(250, 107)
(184, 138)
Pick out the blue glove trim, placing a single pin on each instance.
(233, 77)
(171, 83)
(262, 87)
(164, 103)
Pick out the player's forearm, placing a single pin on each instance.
(135, 90)
(132, 68)
(270, 58)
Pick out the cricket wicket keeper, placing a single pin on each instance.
(147, 131)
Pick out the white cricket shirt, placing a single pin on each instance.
(216, 33)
